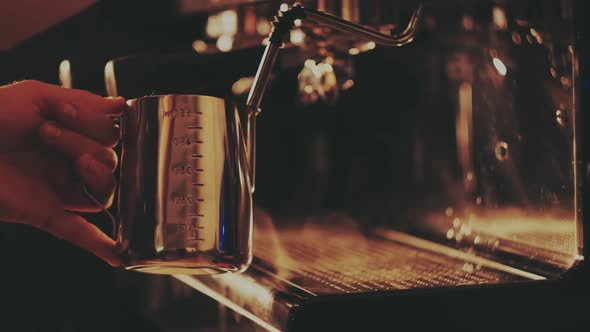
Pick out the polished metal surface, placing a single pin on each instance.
(407, 36)
(185, 199)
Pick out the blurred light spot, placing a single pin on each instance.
(263, 27)
(449, 212)
(297, 36)
(468, 268)
(501, 150)
(371, 45)
(297, 22)
(499, 16)
(476, 239)
(478, 200)
(467, 22)
(242, 86)
(565, 82)
(265, 41)
(553, 72)
(450, 233)
(456, 222)
(229, 22)
(224, 23)
(529, 39)
(516, 38)
(470, 176)
(308, 89)
(465, 229)
(225, 43)
(500, 67)
(537, 36)
(199, 46)
(284, 7)
(347, 84)
(354, 51)
(561, 117)
(326, 68)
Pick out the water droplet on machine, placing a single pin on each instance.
(476, 240)
(450, 233)
(501, 151)
(468, 268)
(561, 117)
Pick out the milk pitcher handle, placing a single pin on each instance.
(118, 122)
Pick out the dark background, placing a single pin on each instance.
(49, 285)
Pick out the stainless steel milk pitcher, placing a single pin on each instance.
(185, 194)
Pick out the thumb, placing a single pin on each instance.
(75, 229)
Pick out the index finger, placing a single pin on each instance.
(81, 111)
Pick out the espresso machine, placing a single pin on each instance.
(437, 182)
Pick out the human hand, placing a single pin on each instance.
(48, 135)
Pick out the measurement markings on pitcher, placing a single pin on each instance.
(186, 140)
(190, 231)
(186, 200)
(180, 113)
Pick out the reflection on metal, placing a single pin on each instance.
(470, 258)
(501, 151)
(201, 287)
(464, 133)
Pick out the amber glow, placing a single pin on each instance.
(201, 287)
(199, 46)
(500, 20)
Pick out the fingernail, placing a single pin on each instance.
(50, 130)
(68, 112)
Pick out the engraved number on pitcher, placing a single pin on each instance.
(185, 140)
(180, 113)
(184, 200)
(182, 169)
(185, 231)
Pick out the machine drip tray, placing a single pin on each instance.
(294, 267)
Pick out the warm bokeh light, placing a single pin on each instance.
(500, 20)
(297, 36)
(354, 51)
(199, 46)
(500, 66)
(225, 43)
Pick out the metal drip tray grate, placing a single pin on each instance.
(325, 261)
